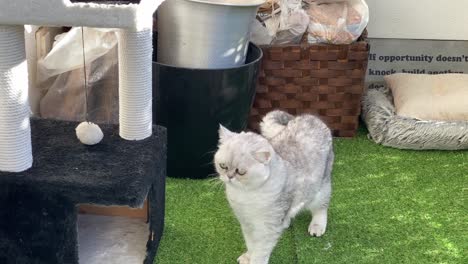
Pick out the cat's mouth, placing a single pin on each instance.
(228, 180)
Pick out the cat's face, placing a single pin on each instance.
(243, 160)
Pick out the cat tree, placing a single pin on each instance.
(135, 22)
(38, 200)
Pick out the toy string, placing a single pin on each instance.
(85, 77)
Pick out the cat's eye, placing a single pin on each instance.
(241, 172)
(223, 166)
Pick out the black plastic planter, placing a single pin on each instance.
(192, 103)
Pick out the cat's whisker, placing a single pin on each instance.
(208, 163)
(216, 183)
(209, 153)
(213, 177)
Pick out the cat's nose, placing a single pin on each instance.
(230, 176)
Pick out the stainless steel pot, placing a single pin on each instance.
(205, 34)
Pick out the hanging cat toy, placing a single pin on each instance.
(87, 132)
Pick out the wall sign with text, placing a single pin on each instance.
(388, 56)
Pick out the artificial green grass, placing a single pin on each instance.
(388, 206)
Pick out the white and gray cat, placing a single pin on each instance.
(270, 178)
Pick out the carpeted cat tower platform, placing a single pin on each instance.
(39, 221)
(41, 198)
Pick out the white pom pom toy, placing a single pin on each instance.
(89, 133)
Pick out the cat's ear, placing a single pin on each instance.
(224, 134)
(262, 156)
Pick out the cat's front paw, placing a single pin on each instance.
(244, 259)
(317, 229)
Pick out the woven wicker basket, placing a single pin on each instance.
(326, 80)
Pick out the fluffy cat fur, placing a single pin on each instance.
(269, 178)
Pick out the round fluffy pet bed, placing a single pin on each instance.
(389, 129)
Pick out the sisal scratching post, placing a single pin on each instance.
(135, 83)
(15, 131)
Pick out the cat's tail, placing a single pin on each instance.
(274, 122)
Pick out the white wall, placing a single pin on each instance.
(419, 19)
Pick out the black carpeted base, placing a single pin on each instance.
(38, 207)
